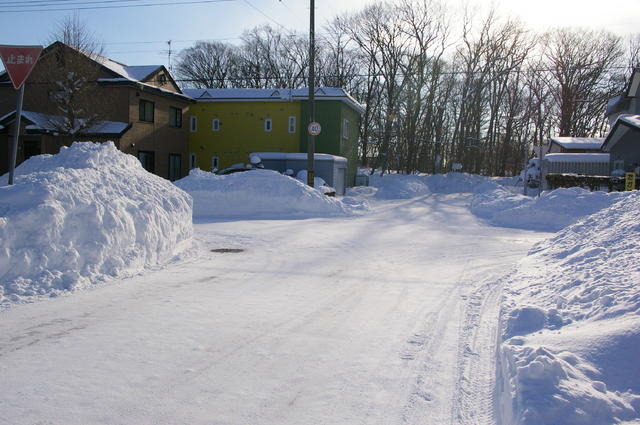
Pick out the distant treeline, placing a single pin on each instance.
(439, 87)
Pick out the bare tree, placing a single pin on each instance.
(74, 32)
(581, 63)
(73, 78)
(209, 65)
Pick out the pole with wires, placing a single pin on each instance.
(311, 139)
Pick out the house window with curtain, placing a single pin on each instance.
(215, 124)
(174, 167)
(147, 159)
(193, 124)
(292, 124)
(345, 129)
(175, 117)
(146, 110)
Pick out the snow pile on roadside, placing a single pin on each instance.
(259, 194)
(399, 186)
(83, 215)
(571, 325)
(552, 211)
(496, 203)
(407, 186)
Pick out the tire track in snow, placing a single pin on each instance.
(475, 371)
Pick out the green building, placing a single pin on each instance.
(226, 125)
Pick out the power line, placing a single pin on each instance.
(267, 16)
(47, 3)
(173, 3)
(295, 15)
(325, 76)
(172, 41)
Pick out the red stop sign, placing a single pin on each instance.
(19, 62)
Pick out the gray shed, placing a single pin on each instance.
(331, 168)
(623, 143)
(589, 164)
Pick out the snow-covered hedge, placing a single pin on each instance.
(571, 324)
(258, 194)
(85, 214)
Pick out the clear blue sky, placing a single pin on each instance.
(124, 30)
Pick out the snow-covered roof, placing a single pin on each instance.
(633, 120)
(577, 157)
(271, 95)
(298, 156)
(133, 73)
(46, 122)
(579, 142)
(617, 131)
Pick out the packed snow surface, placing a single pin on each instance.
(83, 215)
(571, 325)
(259, 194)
(422, 311)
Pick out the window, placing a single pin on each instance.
(193, 161)
(215, 124)
(292, 124)
(193, 124)
(268, 125)
(162, 79)
(147, 159)
(146, 111)
(345, 129)
(175, 117)
(174, 166)
(215, 162)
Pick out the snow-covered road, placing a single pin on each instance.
(388, 318)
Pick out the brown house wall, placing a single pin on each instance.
(117, 103)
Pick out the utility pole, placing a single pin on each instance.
(311, 139)
(169, 54)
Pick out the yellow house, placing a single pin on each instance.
(225, 129)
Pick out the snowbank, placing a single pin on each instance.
(498, 204)
(259, 194)
(571, 325)
(552, 211)
(406, 186)
(83, 215)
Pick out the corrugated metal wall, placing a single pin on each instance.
(587, 168)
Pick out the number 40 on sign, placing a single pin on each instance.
(314, 128)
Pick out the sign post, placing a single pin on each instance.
(19, 62)
(311, 139)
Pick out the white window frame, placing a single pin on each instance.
(215, 162)
(193, 124)
(268, 125)
(193, 161)
(292, 124)
(215, 124)
(345, 129)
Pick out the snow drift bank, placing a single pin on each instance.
(494, 202)
(85, 214)
(258, 194)
(406, 186)
(552, 211)
(571, 325)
